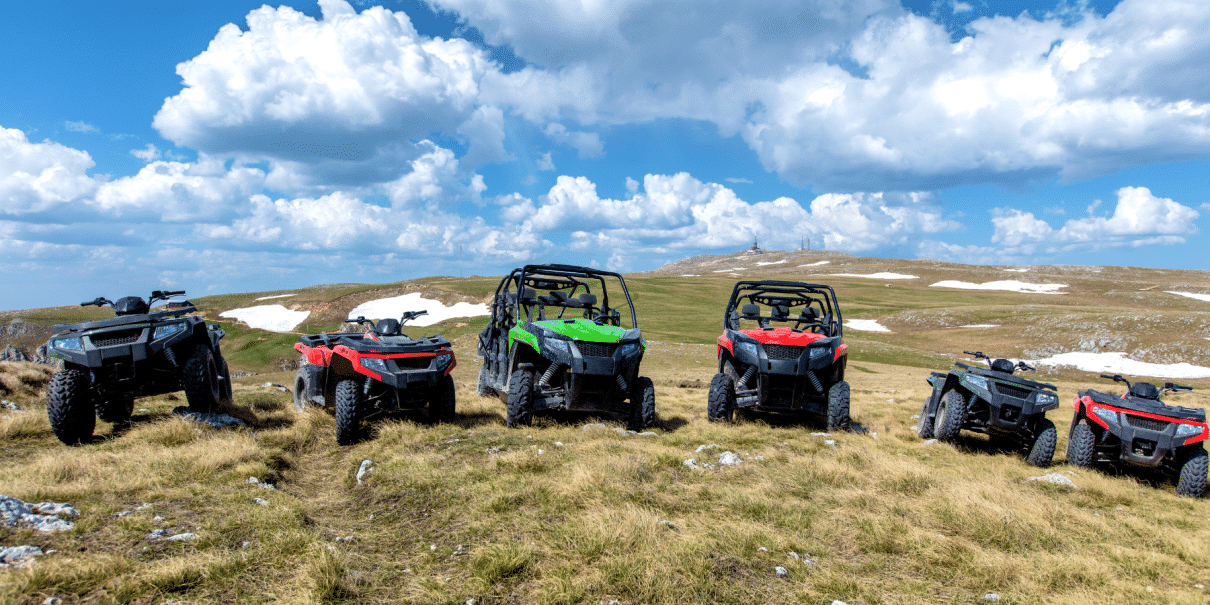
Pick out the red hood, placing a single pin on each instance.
(782, 335)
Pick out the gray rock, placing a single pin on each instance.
(593, 426)
(691, 463)
(18, 555)
(1056, 478)
(217, 421)
(10, 406)
(702, 448)
(52, 601)
(729, 459)
(821, 434)
(648, 434)
(180, 537)
(42, 516)
(261, 501)
(781, 571)
(931, 442)
(158, 534)
(367, 467)
(830, 442)
(991, 596)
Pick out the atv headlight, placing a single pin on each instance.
(443, 360)
(1109, 416)
(819, 352)
(69, 344)
(976, 381)
(1046, 398)
(630, 348)
(747, 349)
(374, 364)
(557, 346)
(167, 330)
(1188, 430)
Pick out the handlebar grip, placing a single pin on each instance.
(969, 352)
(1109, 376)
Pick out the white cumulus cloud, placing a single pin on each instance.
(38, 176)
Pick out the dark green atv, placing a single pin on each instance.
(565, 349)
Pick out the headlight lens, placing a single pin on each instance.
(1045, 398)
(557, 346)
(70, 344)
(444, 360)
(819, 353)
(976, 381)
(167, 330)
(1106, 415)
(630, 348)
(747, 349)
(373, 363)
(1188, 430)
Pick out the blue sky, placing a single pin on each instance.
(226, 146)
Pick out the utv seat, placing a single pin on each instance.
(588, 300)
(810, 318)
(780, 313)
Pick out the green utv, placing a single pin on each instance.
(565, 349)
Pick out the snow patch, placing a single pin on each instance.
(728, 270)
(776, 262)
(865, 325)
(395, 307)
(1017, 270)
(1118, 363)
(1205, 297)
(687, 275)
(1010, 285)
(277, 296)
(876, 275)
(816, 264)
(274, 318)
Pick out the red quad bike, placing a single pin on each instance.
(1139, 430)
(367, 375)
(770, 359)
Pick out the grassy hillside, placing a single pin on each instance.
(571, 512)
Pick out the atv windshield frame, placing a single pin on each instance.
(769, 294)
(570, 282)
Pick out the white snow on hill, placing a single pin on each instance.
(1205, 297)
(1017, 270)
(394, 307)
(980, 326)
(276, 296)
(875, 275)
(1011, 285)
(1118, 363)
(776, 262)
(822, 262)
(865, 325)
(274, 318)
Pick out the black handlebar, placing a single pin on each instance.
(412, 315)
(1176, 387)
(977, 354)
(99, 301)
(1116, 378)
(1022, 365)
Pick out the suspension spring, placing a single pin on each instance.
(815, 381)
(171, 356)
(622, 384)
(548, 374)
(743, 382)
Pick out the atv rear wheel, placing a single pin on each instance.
(308, 387)
(1192, 482)
(951, 412)
(69, 406)
(441, 408)
(642, 404)
(1042, 451)
(721, 404)
(1081, 445)
(228, 390)
(200, 377)
(348, 412)
(924, 426)
(838, 406)
(520, 399)
(116, 411)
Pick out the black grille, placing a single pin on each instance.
(1009, 390)
(596, 349)
(413, 363)
(783, 351)
(1143, 422)
(109, 339)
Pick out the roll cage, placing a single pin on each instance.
(820, 311)
(568, 286)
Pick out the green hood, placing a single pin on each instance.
(575, 329)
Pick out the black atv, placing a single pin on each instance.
(1139, 430)
(138, 353)
(567, 349)
(772, 359)
(995, 402)
(364, 375)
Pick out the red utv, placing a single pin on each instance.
(781, 351)
(366, 375)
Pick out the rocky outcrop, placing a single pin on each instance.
(39, 355)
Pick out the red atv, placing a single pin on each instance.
(771, 359)
(1139, 430)
(367, 375)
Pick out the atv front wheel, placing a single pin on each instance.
(520, 399)
(721, 404)
(308, 386)
(1043, 449)
(1080, 447)
(1192, 482)
(838, 406)
(924, 426)
(642, 404)
(116, 411)
(227, 390)
(69, 406)
(441, 408)
(200, 377)
(951, 412)
(348, 412)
